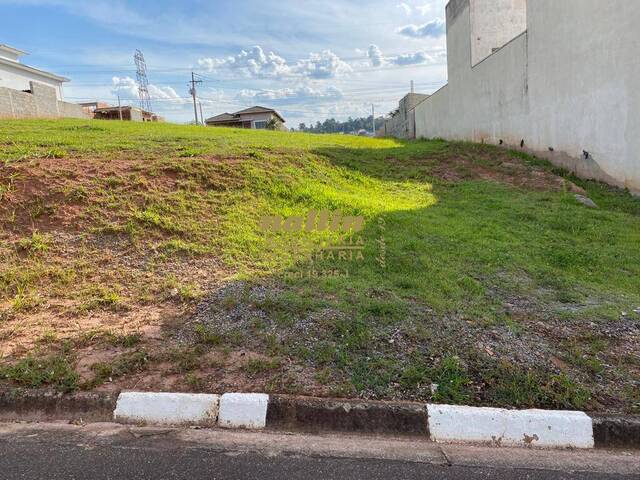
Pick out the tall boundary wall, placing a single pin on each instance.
(402, 123)
(40, 102)
(567, 87)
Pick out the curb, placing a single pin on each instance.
(616, 431)
(315, 415)
(514, 428)
(438, 423)
(35, 405)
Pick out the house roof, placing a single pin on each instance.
(123, 107)
(258, 109)
(223, 117)
(235, 117)
(26, 68)
(11, 50)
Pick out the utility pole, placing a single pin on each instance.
(373, 119)
(201, 115)
(119, 107)
(193, 94)
(411, 86)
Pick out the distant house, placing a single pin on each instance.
(254, 117)
(126, 113)
(27, 92)
(90, 107)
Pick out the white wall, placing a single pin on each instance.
(18, 79)
(494, 23)
(256, 117)
(569, 83)
(584, 82)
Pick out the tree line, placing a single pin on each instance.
(352, 125)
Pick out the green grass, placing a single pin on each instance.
(163, 200)
(36, 371)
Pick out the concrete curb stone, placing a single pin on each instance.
(243, 410)
(440, 423)
(167, 408)
(519, 428)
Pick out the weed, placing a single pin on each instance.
(32, 371)
(194, 381)
(37, 243)
(206, 336)
(453, 382)
(124, 340)
(256, 366)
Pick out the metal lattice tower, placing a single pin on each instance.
(143, 81)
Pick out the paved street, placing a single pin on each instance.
(107, 451)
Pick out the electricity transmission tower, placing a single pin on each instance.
(143, 81)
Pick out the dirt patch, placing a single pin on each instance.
(55, 194)
(499, 166)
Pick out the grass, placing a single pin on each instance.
(33, 371)
(467, 249)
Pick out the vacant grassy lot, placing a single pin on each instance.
(131, 256)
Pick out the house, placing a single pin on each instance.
(90, 107)
(17, 75)
(558, 79)
(125, 112)
(27, 92)
(254, 117)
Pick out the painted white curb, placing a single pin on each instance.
(540, 428)
(243, 410)
(166, 408)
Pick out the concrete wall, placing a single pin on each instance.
(494, 23)
(17, 79)
(584, 82)
(402, 123)
(567, 85)
(136, 115)
(40, 103)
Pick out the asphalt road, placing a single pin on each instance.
(116, 452)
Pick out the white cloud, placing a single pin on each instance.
(434, 29)
(322, 65)
(251, 63)
(407, 9)
(378, 59)
(127, 88)
(375, 56)
(255, 63)
(413, 59)
(424, 9)
(289, 95)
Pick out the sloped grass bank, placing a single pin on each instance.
(482, 279)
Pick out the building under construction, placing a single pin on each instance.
(126, 113)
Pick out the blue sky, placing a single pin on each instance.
(308, 59)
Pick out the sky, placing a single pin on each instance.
(309, 59)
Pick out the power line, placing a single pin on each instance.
(193, 94)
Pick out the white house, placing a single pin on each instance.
(255, 117)
(16, 75)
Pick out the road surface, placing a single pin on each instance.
(110, 451)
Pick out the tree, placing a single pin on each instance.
(351, 125)
(274, 124)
